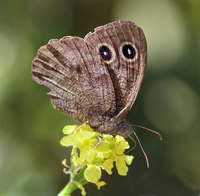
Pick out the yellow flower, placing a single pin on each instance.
(109, 151)
(88, 162)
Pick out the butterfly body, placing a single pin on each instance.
(95, 79)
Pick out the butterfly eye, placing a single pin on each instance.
(128, 51)
(105, 53)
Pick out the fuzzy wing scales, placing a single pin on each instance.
(77, 77)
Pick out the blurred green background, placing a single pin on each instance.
(169, 102)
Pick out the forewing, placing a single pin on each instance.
(77, 77)
(126, 74)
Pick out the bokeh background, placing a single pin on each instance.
(169, 101)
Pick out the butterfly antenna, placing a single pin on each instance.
(149, 130)
(145, 155)
(100, 141)
(133, 146)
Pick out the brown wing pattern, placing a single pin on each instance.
(77, 77)
(126, 74)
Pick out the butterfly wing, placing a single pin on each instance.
(79, 81)
(126, 44)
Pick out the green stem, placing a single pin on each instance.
(71, 186)
(80, 176)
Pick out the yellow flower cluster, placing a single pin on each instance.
(102, 157)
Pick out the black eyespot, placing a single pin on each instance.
(128, 51)
(105, 53)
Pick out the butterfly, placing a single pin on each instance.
(95, 80)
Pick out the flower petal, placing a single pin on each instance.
(84, 153)
(69, 140)
(123, 143)
(64, 162)
(100, 184)
(107, 165)
(69, 129)
(80, 186)
(129, 159)
(92, 173)
(104, 147)
(121, 167)
(120, 145)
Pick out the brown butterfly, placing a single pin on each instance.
(95, 80)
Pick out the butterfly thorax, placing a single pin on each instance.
(115, 128)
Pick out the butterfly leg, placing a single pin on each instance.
(86, 122)
(100, 141)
